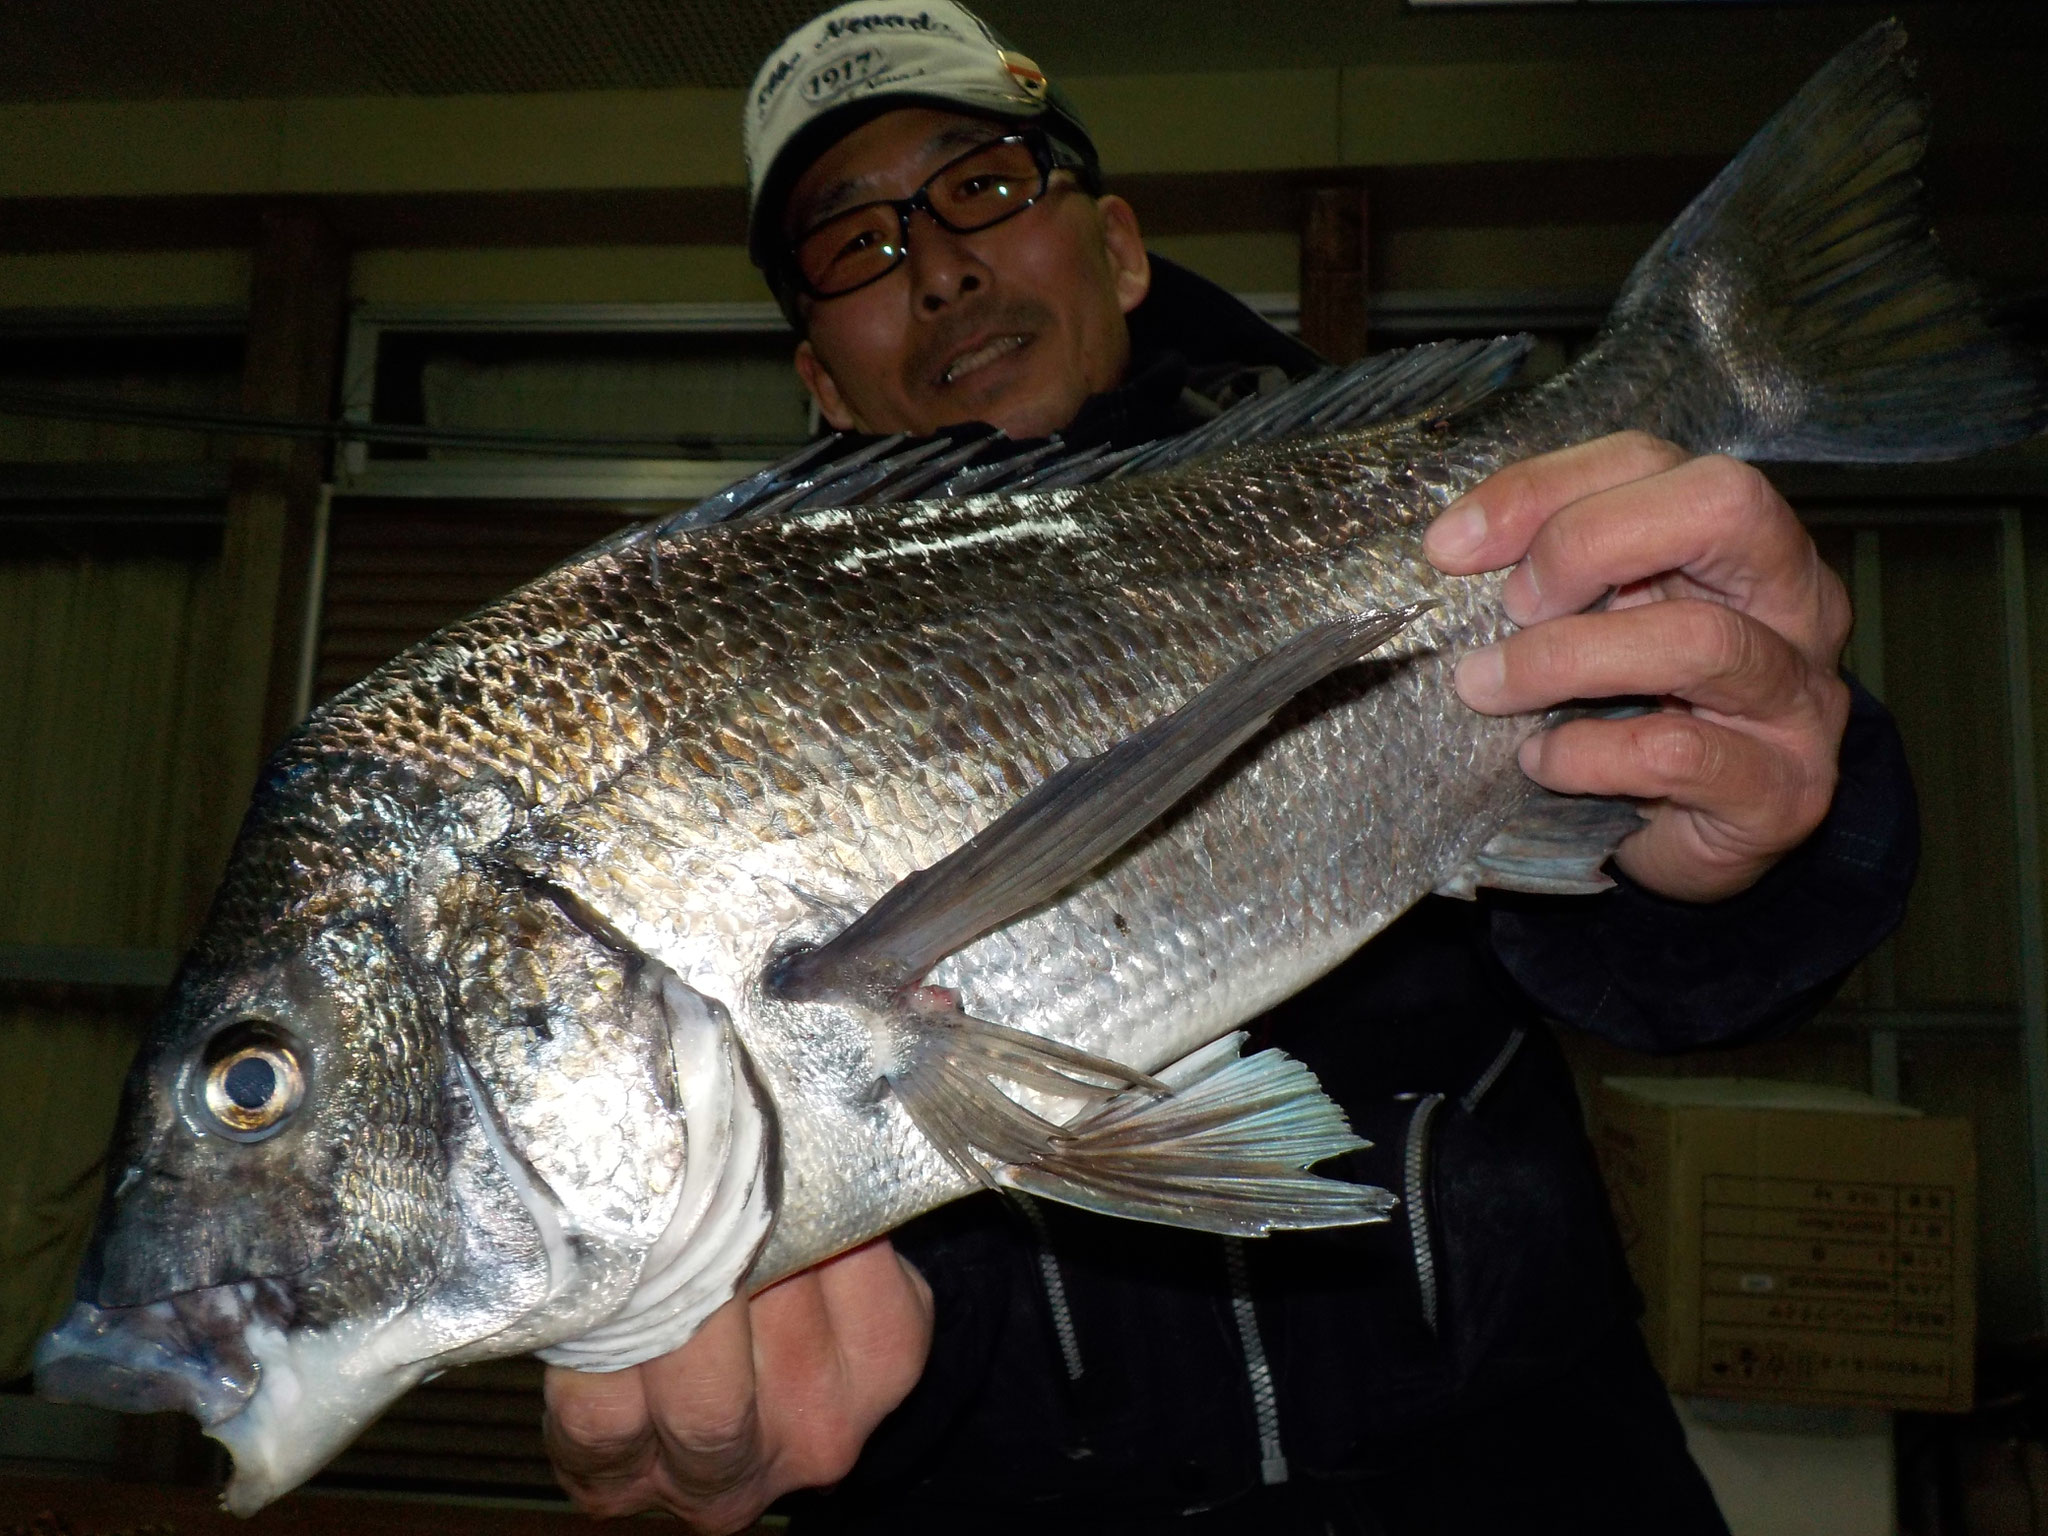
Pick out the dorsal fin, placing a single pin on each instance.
(1441, 377)
(852, 470)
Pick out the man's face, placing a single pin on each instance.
(1014, 325)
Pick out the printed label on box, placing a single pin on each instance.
(1760, 1360)
(1866, 1266)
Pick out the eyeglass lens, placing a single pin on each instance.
(983, 187)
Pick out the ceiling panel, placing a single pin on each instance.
(54, 50)
(458, 46)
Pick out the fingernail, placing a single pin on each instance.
(1520, 596)
(1481, 675)
(1458, 531)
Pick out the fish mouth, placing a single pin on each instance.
(282, 1398)
(192, 1353)
(981, 353)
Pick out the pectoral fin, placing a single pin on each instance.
(1070, 823)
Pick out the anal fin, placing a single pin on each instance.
(1216, 1142)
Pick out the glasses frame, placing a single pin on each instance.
(1046, 153)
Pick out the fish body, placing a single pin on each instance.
(546, 1003)
(869, 688)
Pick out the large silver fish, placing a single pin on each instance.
(576, 970)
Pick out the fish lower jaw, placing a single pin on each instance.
(316, 1391)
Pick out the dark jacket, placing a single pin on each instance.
(1117, 1366)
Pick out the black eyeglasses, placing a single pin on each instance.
(985, 186)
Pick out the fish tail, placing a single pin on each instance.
(1800, 308)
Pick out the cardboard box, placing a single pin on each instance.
(1796, 1242)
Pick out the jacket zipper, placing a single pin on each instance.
(1415, 1191)
(1055, 1283)
(1491, 1075)
(1265, 1398)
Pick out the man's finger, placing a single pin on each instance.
(701, 1402)
(1709, 655)
(1491, 526)
(597, 1428)
(881, 1310)
(1716, 524)
(840, 1346)
(678, 1431)
(1667, 755)
(1724, 803)
(771, 1394)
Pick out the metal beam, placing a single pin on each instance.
(1863, 514)
(1919, 1021)
(100, 483)
(298, 306)
(298, 302)
(2033, 944)
(86, 965)
(1866, 659)
(1972, 177)
(315, 608)
(655, 483)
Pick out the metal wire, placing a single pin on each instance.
(112, 409)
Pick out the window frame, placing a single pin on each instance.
(356, 473)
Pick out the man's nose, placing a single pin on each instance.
(943, 268)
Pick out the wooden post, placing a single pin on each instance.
(1333, 272)
(298, 305)
(298, 301)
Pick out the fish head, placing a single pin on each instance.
(283, 1124)
(303, 1215)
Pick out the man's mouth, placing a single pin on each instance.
(980, 356)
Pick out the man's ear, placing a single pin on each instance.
(1129, 264)
(823, 387)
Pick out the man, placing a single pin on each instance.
(928, 212)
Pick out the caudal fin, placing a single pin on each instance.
(1800, 308)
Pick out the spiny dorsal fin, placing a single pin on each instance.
(850, 470)
(1442, 377)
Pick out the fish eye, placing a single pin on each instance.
(250, 1082)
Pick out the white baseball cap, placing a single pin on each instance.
(859, 60)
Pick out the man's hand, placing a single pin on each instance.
(1720, 605)
(772, 1394)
